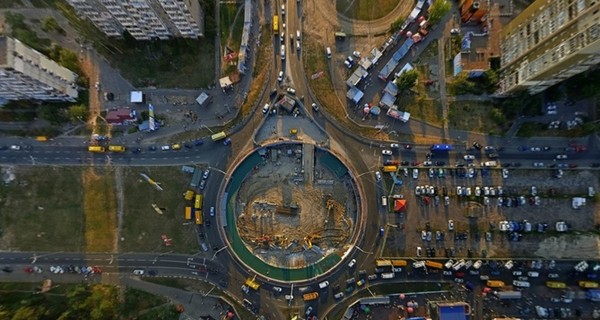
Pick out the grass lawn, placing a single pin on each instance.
(41, 210)
(365, 9)
(474, 116)
(142, 226)
(419, 107)
(11, 3)
(231, 24)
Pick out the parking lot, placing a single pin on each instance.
(470, 225)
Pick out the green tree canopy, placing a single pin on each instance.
(78, 112)
(438, 10)
(407, 80)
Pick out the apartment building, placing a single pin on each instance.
(144, 19)
(28, 74)
(550, 41)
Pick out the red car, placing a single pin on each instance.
(28, 269)
(97, 270)
(460, 274)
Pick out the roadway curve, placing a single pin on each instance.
(363, 27)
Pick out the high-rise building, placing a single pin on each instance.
(550, 41)
(28, 74)
(144, 19)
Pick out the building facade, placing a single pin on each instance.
(550, 41)
(28, 74)
(144, 19)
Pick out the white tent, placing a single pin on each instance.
(136, 97)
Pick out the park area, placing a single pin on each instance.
(74, 209)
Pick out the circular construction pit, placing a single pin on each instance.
(294, 209)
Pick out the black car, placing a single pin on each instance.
(7, 269)
(152, 148)
(440, 163)
(477, 145)
(404, 163)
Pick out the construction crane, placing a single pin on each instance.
(155, 184)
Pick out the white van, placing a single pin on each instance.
(449, 264)
(323, 284)
(328, 53)
(388, 275)
(458, 265)
(508, 265)
(383, 201)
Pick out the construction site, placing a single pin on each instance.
(296, 206)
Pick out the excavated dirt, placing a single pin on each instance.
(290, 223)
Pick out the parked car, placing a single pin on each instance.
(386, 152)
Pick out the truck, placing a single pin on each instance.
(310, 296)
(495, 283)
(506, 295)
(189, 195)
(98, 149)
(116, 148)
(588, 284)
(434, 265)
(390, 169)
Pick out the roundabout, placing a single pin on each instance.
(291, 212)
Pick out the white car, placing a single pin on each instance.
(394, 146)
(561, 157)
(469, 157)
(205, 174)
(378, 176)
(533, 191)
(351, 263)
(138, 272)
(356, 54)
(212, 211)
(266, 108)
(450, 225)
(419, 251)
(504, 226)
(277, 289)
(15, 147)
(291, 91)
(165, 148)
(386, 152)
(459, 191)
(418, 190)
(415, 173)
(280, 76)
(505, 173)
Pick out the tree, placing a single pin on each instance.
(78, 112)
(438, 10)
(461, 85)
(407, 80)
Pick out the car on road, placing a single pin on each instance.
(407, 146)
(277, 289)
(415, 173)
(266, 108)
(165, 148)
(378, 176)
(280, 76)
(351, 263)
(505, 173)
(15, 147)
(386, 152)
(212, 211)
(206, 174)
(450, 225)
(477, 145)
(394, 146)
(538, 164)
(315, 107)
(356, 54)
(291, 91)
(138, 272)
(202, 184)
(561, 157)
(469, 157)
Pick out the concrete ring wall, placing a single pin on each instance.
(247, 260)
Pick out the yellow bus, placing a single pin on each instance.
(383, 263)
(198, 202)
(98, 149)
(495, 284)
(433, 264)
(399, 263)
(276, 24)
(556, 285)
(116, 148)
(588, 284)
(218, 136)
(199, 218)
(41, 138)
(252, 284)
(188, 213)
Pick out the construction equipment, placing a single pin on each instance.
(157, 209)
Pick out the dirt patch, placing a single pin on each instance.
(569, 247)
(288, 222)
(99, 207)
(365, 9)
